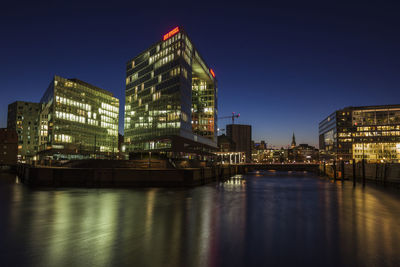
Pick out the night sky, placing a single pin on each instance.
(282, 69)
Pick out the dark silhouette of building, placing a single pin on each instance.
(259, 146)
(225, 144)
(241, 135)
(8, 146)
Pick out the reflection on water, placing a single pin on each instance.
(264, 218)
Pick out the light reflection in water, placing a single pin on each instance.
(269, 218)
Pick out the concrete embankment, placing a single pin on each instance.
(283, 167)
(122, 177)
(382, 173)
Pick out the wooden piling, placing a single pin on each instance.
(334, 170)
(363, 172)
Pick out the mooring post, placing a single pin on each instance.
(334, 170)
(363, 172)
(324, 168)
(384, 174)
(342, 167)
(149, 160)
(354, 172)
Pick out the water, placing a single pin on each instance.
(265, 219)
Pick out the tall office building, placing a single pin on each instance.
(77, 120)
(23, 119)
(369, 132)
(241, 135)
(171, 99)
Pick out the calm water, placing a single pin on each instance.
(266, 219)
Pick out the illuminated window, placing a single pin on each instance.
(156, 96)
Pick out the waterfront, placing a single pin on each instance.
(267, 218)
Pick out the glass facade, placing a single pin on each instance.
(78, 120)
(170, 92)
(327, 137)
(371, 133)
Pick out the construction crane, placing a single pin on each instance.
(231, 117)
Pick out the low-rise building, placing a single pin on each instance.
(303, 153)
(8, 146)
(262, 155)
(227, 152)
(225, 144)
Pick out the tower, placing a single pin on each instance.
(293, 141)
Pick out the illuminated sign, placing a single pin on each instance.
(212, 73)
(171, 33)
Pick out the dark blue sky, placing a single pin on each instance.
(283, 69)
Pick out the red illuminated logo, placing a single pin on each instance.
(171, 33)
(212, 73)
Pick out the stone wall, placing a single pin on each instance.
(122, 177)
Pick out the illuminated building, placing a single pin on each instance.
(241, 135)
(171, 100)
(370, 132)
(23, 119)
(77, 120)
(303, 153)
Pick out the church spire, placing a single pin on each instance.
(293, 141)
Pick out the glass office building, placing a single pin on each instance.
(370, 132)
(77, 120)
(171, 99)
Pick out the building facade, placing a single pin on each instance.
(23, 118)
(303, 153)
(8, 146)
(77, 120)
(355, 133)
(241, 135)
(171, 99)
(225, 144)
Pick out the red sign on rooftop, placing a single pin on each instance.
(171, 33)
(212, 73)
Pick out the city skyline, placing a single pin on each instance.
(292, 66)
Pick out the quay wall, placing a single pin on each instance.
(282, 167)
(382, 173)
(122, 177)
